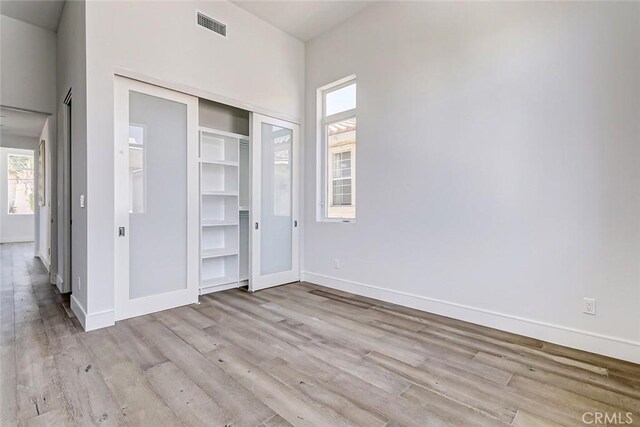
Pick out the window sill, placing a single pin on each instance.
(337, 220)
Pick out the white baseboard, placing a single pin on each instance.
(596, 343)
(45, 262)
(92, 321)
(17, 239)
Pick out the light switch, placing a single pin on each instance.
(82, 200)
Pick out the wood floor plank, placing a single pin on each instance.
(317, 310)
(240, 310)
(430, 318)
(567, 398)
(249, 341)
(560, 382)
(29, 330)
(223, 389)
(8, 380)
(547, 364)
(378, 401)
(343, 299)
(38, 389)
(439, 351)
(87, 398)
(328, 329)
(290, 404)
(56, 417)
(141, 352)
(190, 315)
(319, 392)
(139, 404)
(276, 421)
(496, 400)
(362, 369)
(192, 405)
(525, 419)
(369, 315)
(192, 334)
(454, 413)
(358, 298)
(466, 391)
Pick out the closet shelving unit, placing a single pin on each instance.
(220, 211)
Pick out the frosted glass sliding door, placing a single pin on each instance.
(156, 164)
(274, 202)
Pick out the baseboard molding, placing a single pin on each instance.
(45, 262)
(583, 340)
(92, 321)
(17, 240)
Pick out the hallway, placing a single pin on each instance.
(28, 303)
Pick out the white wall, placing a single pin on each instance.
(498, 165)
(71, 66)
(13, 228)
(27, 69)
(256, 66)
(21, 142)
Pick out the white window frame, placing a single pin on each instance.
(322, 148)
(33, 157)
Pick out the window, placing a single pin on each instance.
(341, 176)
(20, 184)
(337, 137)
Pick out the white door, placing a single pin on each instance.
(156, 198)
(274, 202)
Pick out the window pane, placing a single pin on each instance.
(341, 100)
(137, 180)
(20, 184)
(158, 210)
(276, 197)
(341, 137)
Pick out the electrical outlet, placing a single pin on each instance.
(336, 263)
(589, 306)
(79, 283)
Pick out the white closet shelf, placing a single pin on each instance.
(217, 223)
(244, 208)
(218, 252)
(219, 162)
(218, 284)
(219, 193)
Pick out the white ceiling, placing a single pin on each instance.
(43, 13)
(303, 20)
(21, 123)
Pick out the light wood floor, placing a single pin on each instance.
(298, 354)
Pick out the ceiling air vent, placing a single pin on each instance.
(211, 24)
